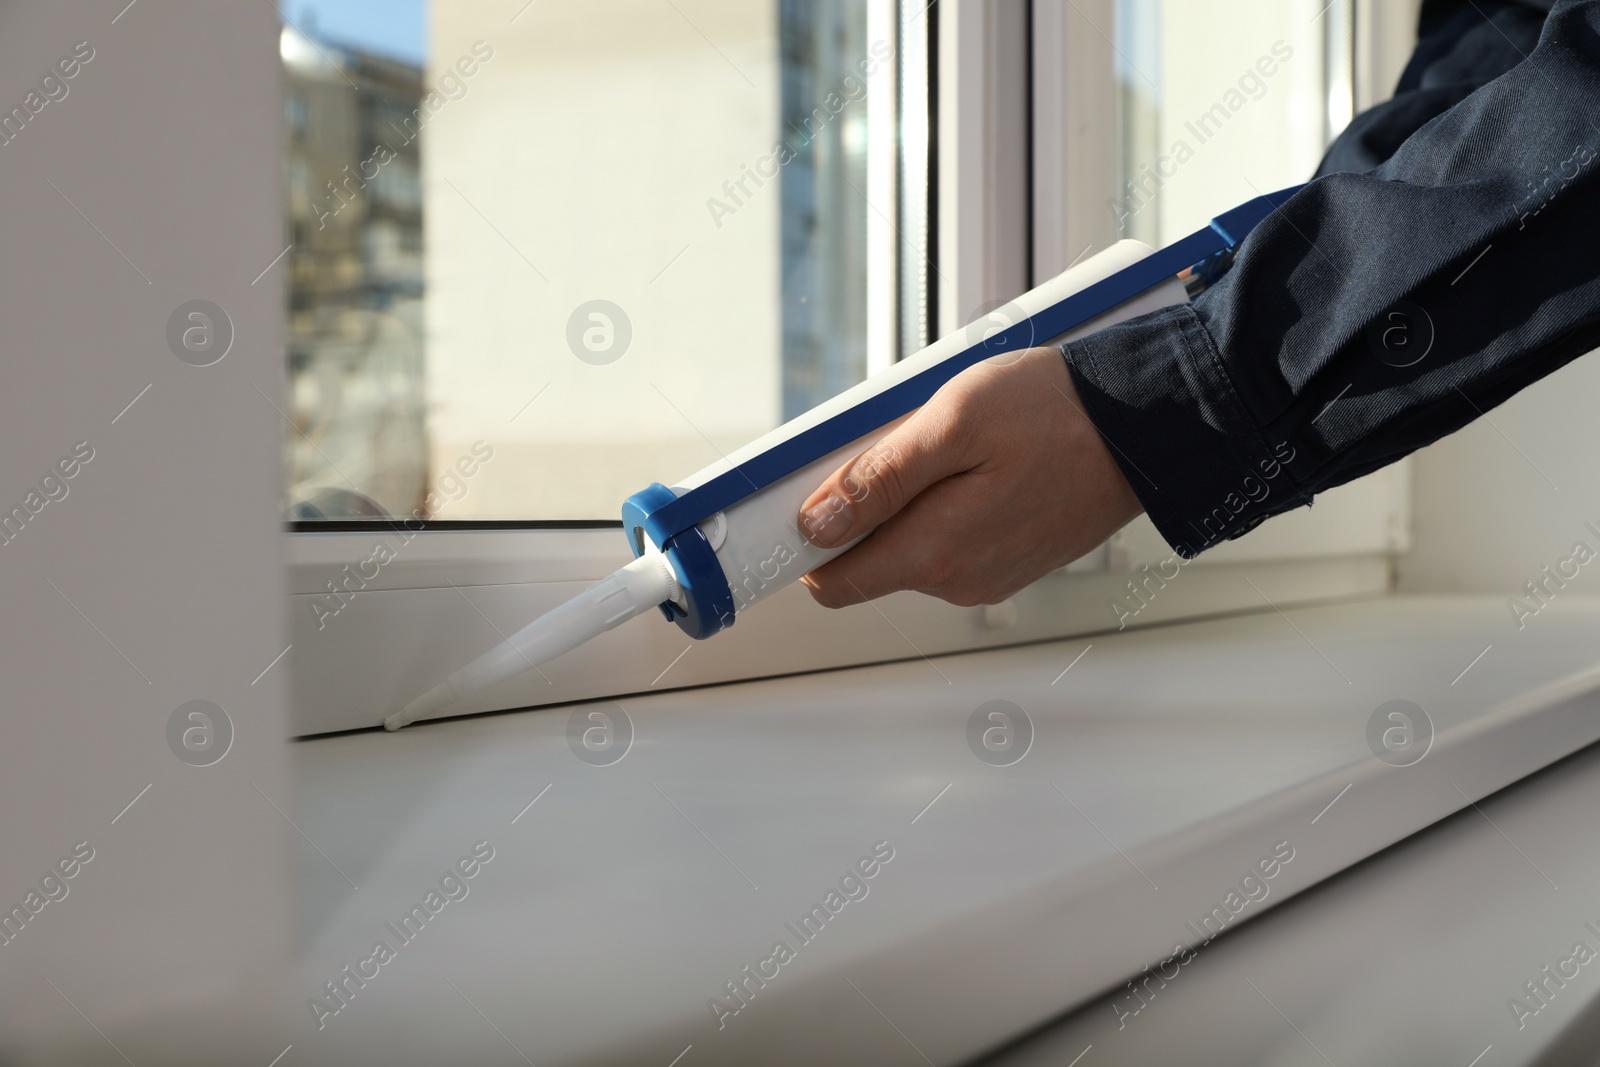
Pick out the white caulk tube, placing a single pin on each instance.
(757, 540)
(728, 537)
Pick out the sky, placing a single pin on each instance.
(394, 28)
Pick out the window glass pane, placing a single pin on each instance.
(1217, 104)
(545, 254)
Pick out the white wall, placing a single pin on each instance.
(156, 580)
(1510, 493)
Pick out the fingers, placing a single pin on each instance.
(949, 496)
(877, 484)
(902, 553)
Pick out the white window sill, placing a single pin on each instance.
(624, 899)
(1415, 956)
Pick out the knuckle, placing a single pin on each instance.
(963, 420)
(879, 473)
(959, 407)
(936, 572)
(856, 483)
(964, 597)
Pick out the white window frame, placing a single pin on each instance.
(1013, 208)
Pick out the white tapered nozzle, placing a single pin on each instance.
(612, 601)
(440, 696)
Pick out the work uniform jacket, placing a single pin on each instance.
(1446, 255)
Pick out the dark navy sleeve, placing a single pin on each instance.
(1374, 312)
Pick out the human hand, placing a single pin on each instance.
(996, 481)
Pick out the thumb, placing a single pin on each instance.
(875, 485)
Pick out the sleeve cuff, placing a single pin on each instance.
(1156, 390)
